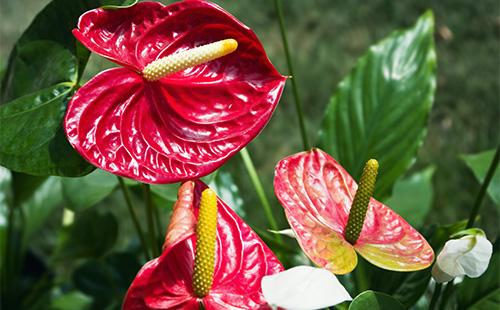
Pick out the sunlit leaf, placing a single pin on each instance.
(479, 164)
(380, 109)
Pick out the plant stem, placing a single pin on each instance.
(435, 296)
(298, 103)
(362, 283)
(151, 225)
(484, 187)
(446, 295)
(137, 225)
(159, 228)
(247, 160)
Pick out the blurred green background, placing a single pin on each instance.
(326, 38)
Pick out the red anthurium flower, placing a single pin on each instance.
(317, 194)
(196, 86)
(237, 259)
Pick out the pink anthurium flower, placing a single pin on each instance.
(231, 260)
(317, 194)
(194, 88)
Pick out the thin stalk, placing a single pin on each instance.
(484, 187)
(448, 290)
(137, 225)
(360, 277)
(159, 228)
(151, 225)
(298, 103)
(435, 296)
(247, 160)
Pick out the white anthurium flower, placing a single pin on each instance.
(469, 255)
(303, 288)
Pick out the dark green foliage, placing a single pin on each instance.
(376, 301)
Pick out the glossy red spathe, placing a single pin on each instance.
(241, 261)
(182, 126)
(317, 193)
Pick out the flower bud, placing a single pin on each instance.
(469, 255)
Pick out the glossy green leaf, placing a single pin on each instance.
(91, 235)
(479, 164)
(225, 187)
(412, 197)
(84, 192)
(53, 25)
(39, 65)
(374, 301)
(380, 109)
(31, 137)
(482, 293)
(45, 58)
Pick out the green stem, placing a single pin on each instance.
(247, 160)
(298, 103)
(484, 187)
(151, 225)
(360, 276)
(446, 295)
(435, 296)
(159, 227)
(137, 225)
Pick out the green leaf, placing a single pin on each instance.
(31, 137)
(225, 187)
(166, 191)
(482, 293)
(124, 4)
(5, 203)
(375, 300)
(39, 65)
(84, 192)
(412, 197)
(91, 235)
(380, 110)
(40, 206)
(107, 280)
(54, 25)
(479, 164)
(71, 301)
(43, 59)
